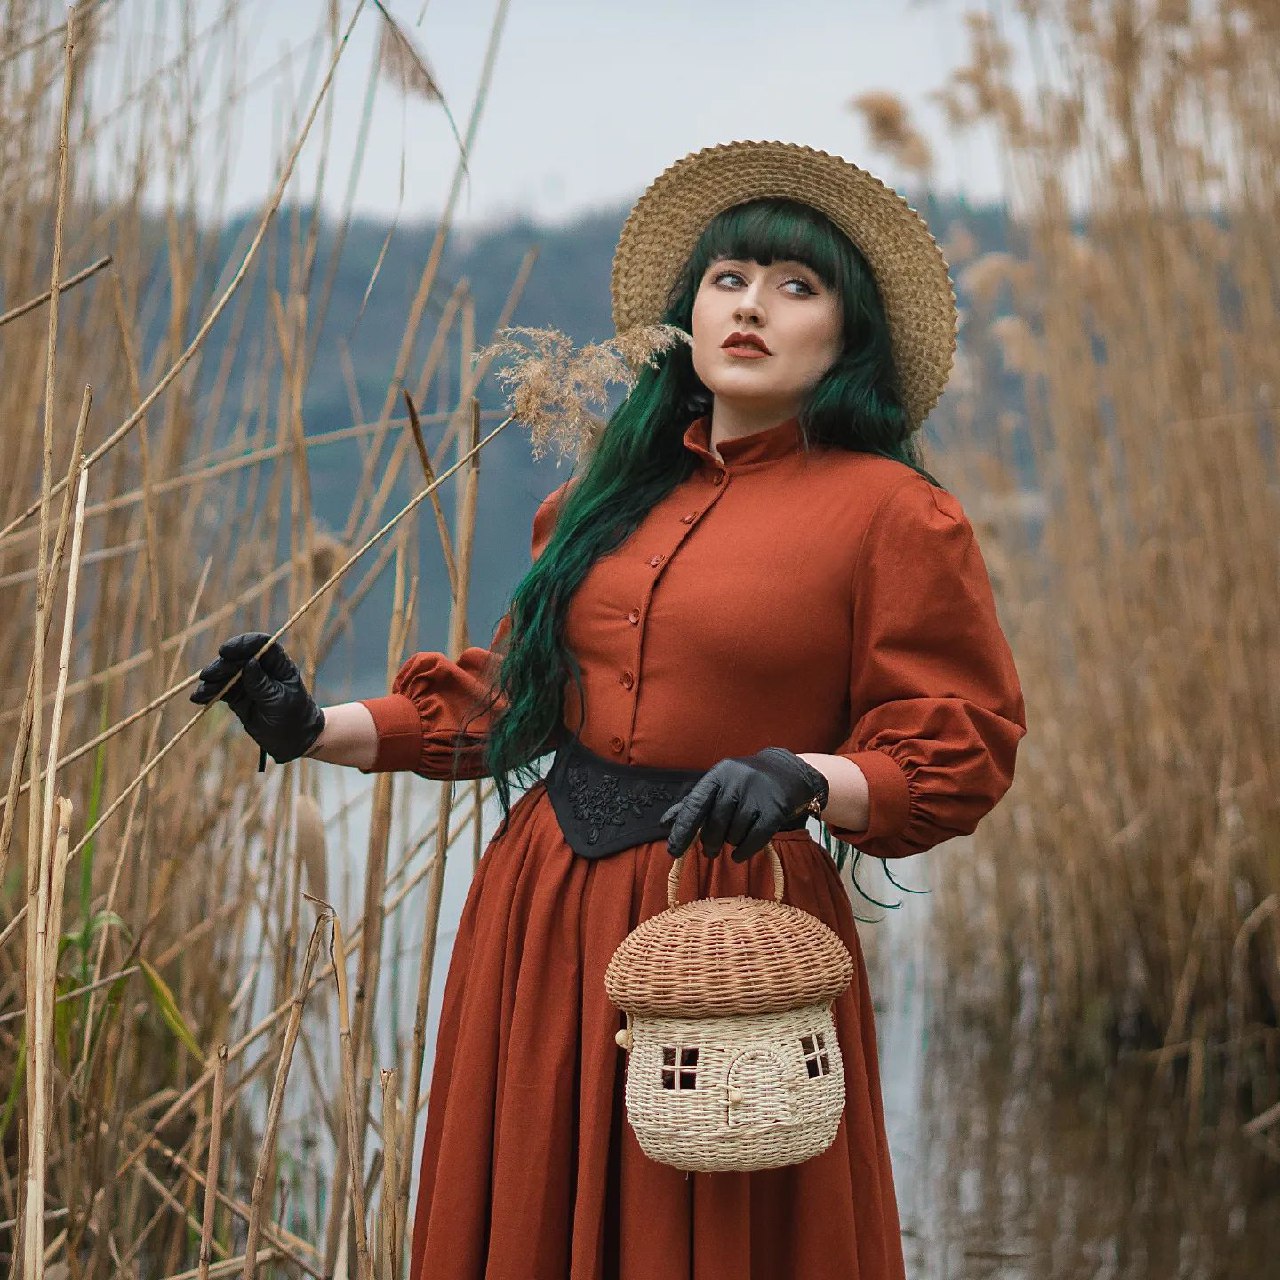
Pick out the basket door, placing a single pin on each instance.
(757, 1095)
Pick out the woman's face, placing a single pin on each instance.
(796, 319)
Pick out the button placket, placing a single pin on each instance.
(629, 679)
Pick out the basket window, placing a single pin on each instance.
(816, 1061)
(679, 1067)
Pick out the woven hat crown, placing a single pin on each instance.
(909, 269)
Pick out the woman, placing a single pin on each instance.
(753, 606)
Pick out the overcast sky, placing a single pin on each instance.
(590, 99)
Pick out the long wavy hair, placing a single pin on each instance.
(639, 457)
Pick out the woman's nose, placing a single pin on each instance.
(748, 309)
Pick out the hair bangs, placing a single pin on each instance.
(777, 231)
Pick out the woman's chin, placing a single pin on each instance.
(747, 379)
(746, 394)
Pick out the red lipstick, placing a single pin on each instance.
(749, 345)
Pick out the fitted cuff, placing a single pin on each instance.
(399, 729)
(890, 797)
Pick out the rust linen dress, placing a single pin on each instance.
(820, 600)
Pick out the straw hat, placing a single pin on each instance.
(908, 265)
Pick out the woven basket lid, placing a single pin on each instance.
(721, 956)
(910, 271)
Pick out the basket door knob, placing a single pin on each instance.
(623, 1038)
(735, 1095)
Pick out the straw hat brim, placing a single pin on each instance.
(910, 271)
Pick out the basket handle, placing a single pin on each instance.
(673, 876)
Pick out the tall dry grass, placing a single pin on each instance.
(156, 1016)
(1125, 899)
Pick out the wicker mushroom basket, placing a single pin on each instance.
(732, 1057)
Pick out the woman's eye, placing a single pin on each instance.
(737, 277)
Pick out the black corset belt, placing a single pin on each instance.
(604, 807)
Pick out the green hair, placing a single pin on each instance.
(640, 457)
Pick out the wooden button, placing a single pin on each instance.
(616, 743)
(655, 561)
(690, 518)
(627, 679)
(634, 617)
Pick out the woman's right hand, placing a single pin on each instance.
(270, 698)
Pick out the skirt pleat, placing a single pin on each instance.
(529, 1170)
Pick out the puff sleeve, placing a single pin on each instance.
(936, 706)
(421, 720)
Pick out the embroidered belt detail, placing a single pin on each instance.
(604, 807)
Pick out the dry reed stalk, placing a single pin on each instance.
(113, 887)
(74, 994)
(149, 518)
(426, 969)
(309, 837)
(64, 659)
(459, 638)
(43, 934)
(89, 558)
(390, 1218)
(169, 1202)
(466, 517)
(429, 474)
(355, 1180)
(368, 971)
(46, 582)
(214, 1163)
(228, 1266)
(266, 1155)
(40, 299)
(368, 964)
(237, 279)
(39, 905)
(476, 364)
(434, 255)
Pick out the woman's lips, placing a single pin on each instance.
(745, 352)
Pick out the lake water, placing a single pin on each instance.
(1000, 1175)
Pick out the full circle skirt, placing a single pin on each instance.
(529, 1169)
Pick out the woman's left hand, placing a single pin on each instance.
(745, 801)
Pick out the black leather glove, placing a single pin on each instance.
(744, 800)
(270, 698)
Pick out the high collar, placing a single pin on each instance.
(743, 451)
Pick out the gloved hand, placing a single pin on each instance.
(270, 699)
(744, 800)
